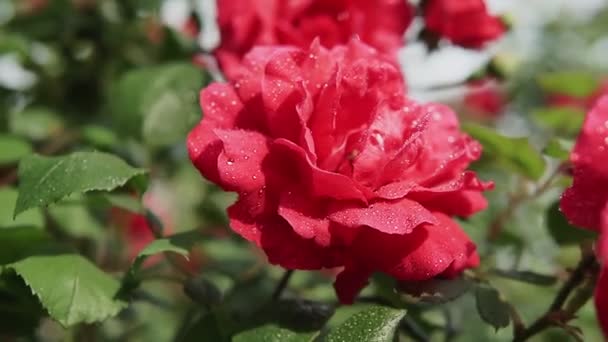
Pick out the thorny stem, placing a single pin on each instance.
(576, 278)
(282, 284)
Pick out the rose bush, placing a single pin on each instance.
(463, 22)
(247, 23)
(334, 166)
(585, 203)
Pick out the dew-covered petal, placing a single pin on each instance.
(240, 162)
(306, 216)
(398, 217)
(583, 202)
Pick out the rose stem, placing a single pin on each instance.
(545, 321)
(282, 284)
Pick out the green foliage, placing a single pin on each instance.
(151, 254)
(491, 307)
(35, 123)
(573, 83)
(144, 101)
(563, 120)
(100, 137)
(44, 180)
(376, 324)
(76, 221)
(178, 244)
(516, 153)
(273, 333)
(558, 149)
(70, 288)
(562, 231)
(12, 149)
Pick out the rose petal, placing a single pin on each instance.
(306, 216)
(220, 104)
(349, 283)
(293, 165)
(204, 148)
(428, 251)
(400, 217)
(240, 162)
(583, 202)
(286, 248)
(601, 299)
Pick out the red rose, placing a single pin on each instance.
(247, 23)
(585, 203)
(484, 98)
(334, 167)
(464, 22)
(601, 288)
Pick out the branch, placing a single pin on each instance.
(555, 312)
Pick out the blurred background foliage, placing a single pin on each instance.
(111, 76)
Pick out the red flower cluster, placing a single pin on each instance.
(585, 203)
(464, 22)
(334, 167)
(247, 23)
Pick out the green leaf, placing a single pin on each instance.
(573, 83)
(179, 244)
(30, 218)
(70, 288)
(491, 308)
(75, 220)
(44, 180)
(516, 153)
(20, 236)
(203, 291)
(273, 333)
(376, 324)
(12, 149)
(158, 102)
(436, 290)
(21, 242)
(100, 137)
(562, 231)
(564, 120)
(123, 201)
(527, 277)
(14, 43)
(558, 149)
(35, 123)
